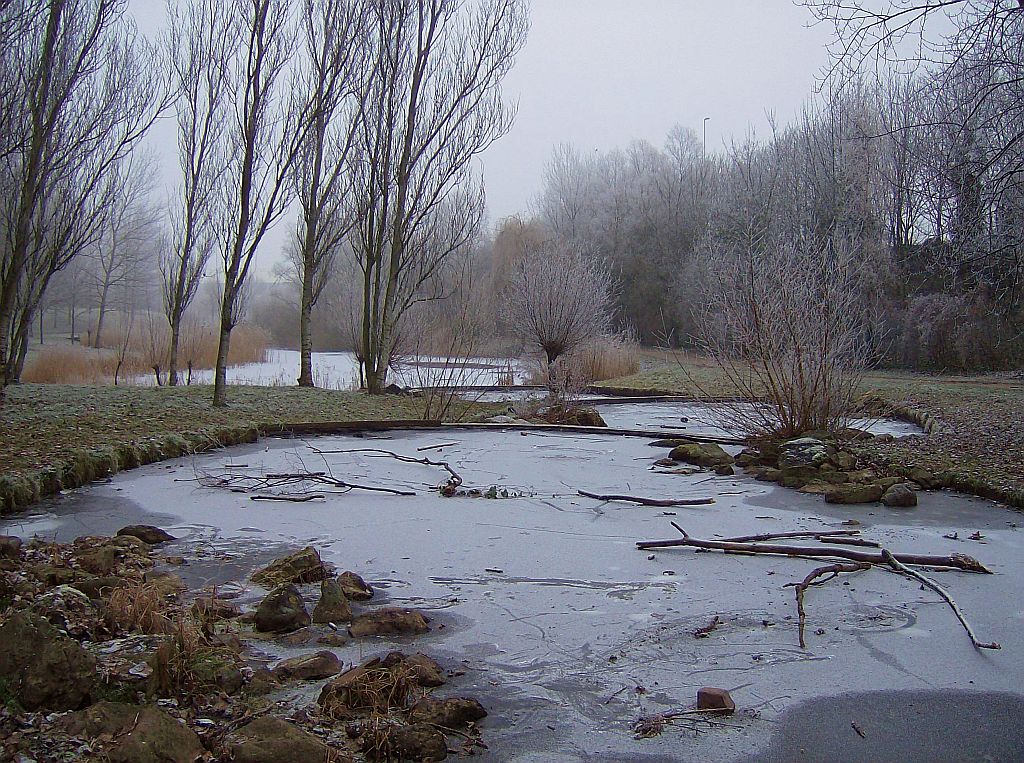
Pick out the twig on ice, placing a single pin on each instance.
(832, 570)
(648, 501)
(895, 563)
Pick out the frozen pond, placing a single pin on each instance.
(340, 370)
(567, 633)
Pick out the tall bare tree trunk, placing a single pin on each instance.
(306, 332)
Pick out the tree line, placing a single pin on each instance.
(363, 115)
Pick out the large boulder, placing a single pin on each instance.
(147, 534)
(422, 669)
(44, 669)
(900, 496)
(389, 621)
(136, 734)
(701, 454)
(272, 740)
(849, 493)
(452, 713)
(303, 566)
(309, 667)
(354, 587)
(282, 611)
(333, 605)
(798, 476)
(803, 451)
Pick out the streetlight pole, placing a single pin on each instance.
(704, 144)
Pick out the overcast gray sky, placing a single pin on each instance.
(600, 73)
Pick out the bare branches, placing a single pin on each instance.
(559, 298)
(832, 571)
(446, 489)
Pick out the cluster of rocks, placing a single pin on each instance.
(819, 465)
(106, 656)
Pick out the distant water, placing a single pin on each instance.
(340, 370)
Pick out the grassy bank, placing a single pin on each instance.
(976, 443)
(54, 437)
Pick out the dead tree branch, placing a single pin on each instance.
(446, 489)
(901, 568)
(832, 570)
(958, 561)
(648, 501)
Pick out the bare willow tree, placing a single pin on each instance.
(559, 299)
(333, 72)
(198, 48)
(265, 131)
(433, 104)
(84, 92)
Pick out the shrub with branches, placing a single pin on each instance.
(785, 325)
(559, 299)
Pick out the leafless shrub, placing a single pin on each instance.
(783, 324)
(559, 299)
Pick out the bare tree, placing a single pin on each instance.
(122, 243)
(333, 74)
(433, 104)
(265, 132)
(559, 298)
(87, 90)
(198, 48)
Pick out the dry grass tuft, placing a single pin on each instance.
(371, 688)
(139, 608)
(608, 357)
(69, 364)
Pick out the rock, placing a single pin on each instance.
(816, 488)
(299, 638)
(888, 482)
(710, 698)
(416, 742)
(354, 587)
(165, 583)
(333, 606)
(10, 547)
(97, 588)
(900, 496)
(453, 713)
(798, 476)
(583, 417)
(212, 609)
(44, 669)
(99, 561)
(924, 478)
(69, 610)
(804, 451)
(701, 454)
(849, 433)
(282, 611)
(853, 493)
(272, 740)
(147, 534)
(303, 566)
(389, 621)
(769, 475)
(332, 639)
(136, 733)
(845, 462)
(262, 682)
(425, 671)
(862, 475)
(309, 667)
(218, 670)
(670, 443)
(52, 575)
(725, 470)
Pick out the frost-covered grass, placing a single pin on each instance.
(57, 436)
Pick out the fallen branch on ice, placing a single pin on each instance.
(648, 501)
(446, 489)
(832, 570)
(958, 561)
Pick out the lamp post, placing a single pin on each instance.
(704, 143)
